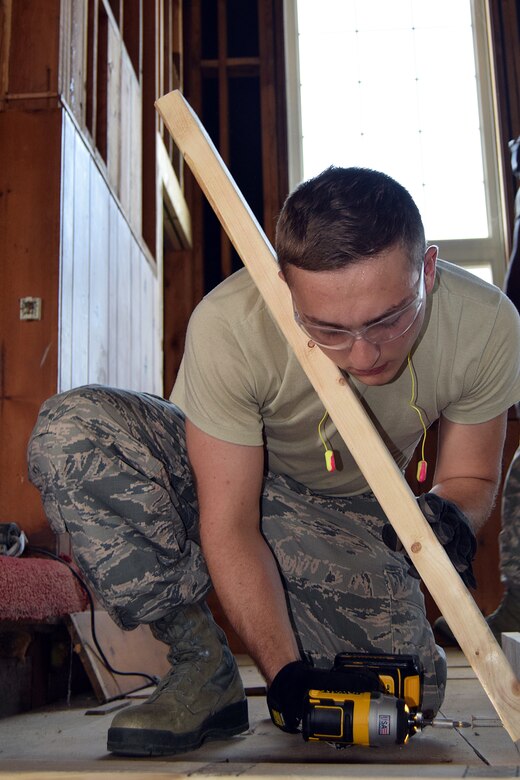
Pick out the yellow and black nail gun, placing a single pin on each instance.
(388, 717)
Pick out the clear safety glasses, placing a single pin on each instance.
(386, 329)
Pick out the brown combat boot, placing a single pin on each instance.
(201, 697)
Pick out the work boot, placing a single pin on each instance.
(200, 698)
(506, 617)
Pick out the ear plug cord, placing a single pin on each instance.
(422, 466)
(329, 452)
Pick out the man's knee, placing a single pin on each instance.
(67, 409)
(68, 425)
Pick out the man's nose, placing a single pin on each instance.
(363, 354)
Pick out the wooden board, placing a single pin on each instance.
(350, 419)
(65, 742)
(126, 651)
(296, 772)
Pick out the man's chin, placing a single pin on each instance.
(378, 376)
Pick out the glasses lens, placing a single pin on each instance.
(323, 337)
(394, 326)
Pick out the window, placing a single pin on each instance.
(403, 87)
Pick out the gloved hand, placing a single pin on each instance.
(453, 530)
(287, 692)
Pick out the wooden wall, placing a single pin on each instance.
(102, 89)
(29, 247)
(71, 183)
(109, 325)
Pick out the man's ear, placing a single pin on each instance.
(430, 265)
(282, 277)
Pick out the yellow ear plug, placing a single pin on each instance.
(329, 452)
(422, 468)
(329, 460)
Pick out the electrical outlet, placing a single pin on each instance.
(30, 308)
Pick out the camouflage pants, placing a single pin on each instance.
(112, 470)
(509, 538)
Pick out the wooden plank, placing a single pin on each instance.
(113, 105)
(148, 341)
(487, 736)
(350, 419)
(126, 651)
(125, 165)
(80, 264)
(223, 119)
(66, 254)
(149, 128)
(5, 44)
(64, 81)
(135, 316)
(99, 245)
(66, 741)
(92, 70)
(136, 155)
(113, 293)
(174, 198)
(75, 90)
(177, 44)
(132, 33)
(296, 772)
(271, 170)
(177, 308)
(35, 27)
(123, 302)
(102, 67)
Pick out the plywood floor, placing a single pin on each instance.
(66, 742)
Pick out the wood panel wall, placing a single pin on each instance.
(29, 247)
(108, 324)
(100, 85)
(71, 149)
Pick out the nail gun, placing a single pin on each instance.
(390, 716)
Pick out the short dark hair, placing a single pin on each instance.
(345, 215)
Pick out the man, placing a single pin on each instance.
(293, 545)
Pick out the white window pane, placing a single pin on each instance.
(386, 57)
(315, 17)
(392, 86)
(426, 13)
(384, 14)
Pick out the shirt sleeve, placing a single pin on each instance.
(495, 385)
(214, 385)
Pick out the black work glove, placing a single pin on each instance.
(289, 688)
(453, 530)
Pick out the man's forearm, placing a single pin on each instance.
(475, 497)
(248, 584)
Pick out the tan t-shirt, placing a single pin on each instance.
(239, 380)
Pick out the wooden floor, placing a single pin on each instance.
(68, 742)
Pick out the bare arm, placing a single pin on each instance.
(242, 567)
(468, 465)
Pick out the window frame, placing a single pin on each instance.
(468, 253)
